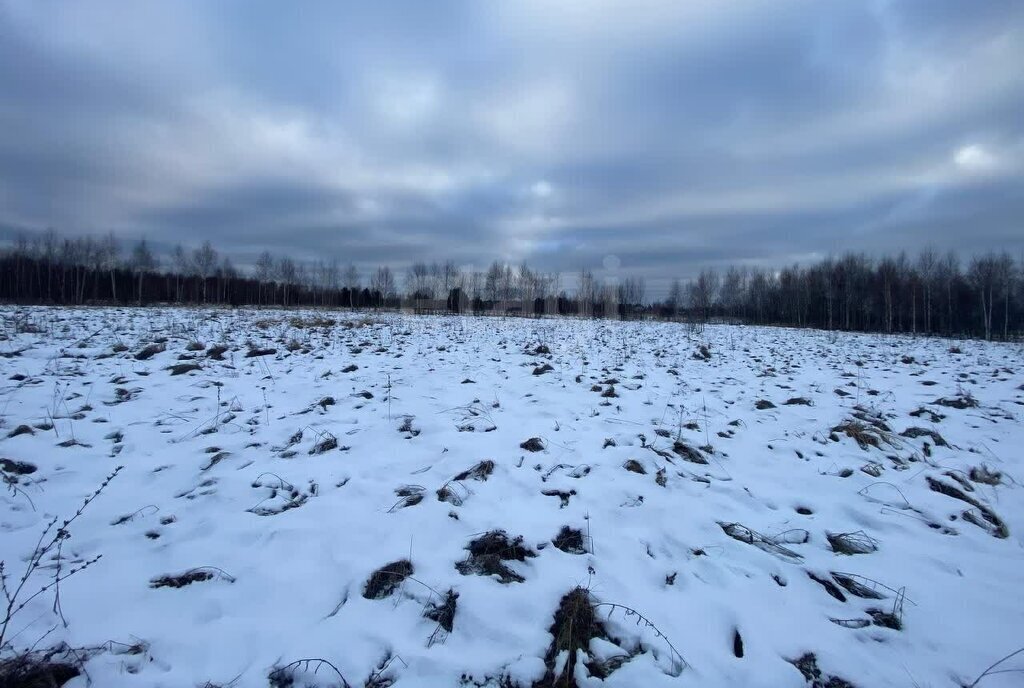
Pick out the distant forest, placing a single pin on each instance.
(931, 293)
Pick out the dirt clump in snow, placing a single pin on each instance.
(808, 666)
(385, 580)
(488, 554)
(570, 540)
(534, 444)
(634, 466)
(481, 471)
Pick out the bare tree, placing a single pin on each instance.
(286, 273)
(492, 281)
(732, 290)
(587, 292)
(350, 279)
(927, 264)
(527, 282)
(204, 260)
(264, 273)
(984, 276)
(142, 263)
(1005, 277)
(704, 292)
(675, 297)
(475, 287)
(51, 246)
(108, 254)
(631, 294)
(383, 283)
(507, 286)
(449, 277)
(418, 281)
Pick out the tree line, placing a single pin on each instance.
(931, 293)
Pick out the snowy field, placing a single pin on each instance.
(412, 499)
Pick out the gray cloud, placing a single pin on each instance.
(668, 134)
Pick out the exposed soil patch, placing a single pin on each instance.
(17, 467)
(688, 453)
(564, 496)
(880, 617)
(149, 352)
(808, 666)
(534, 444)
(924, 412)
(443, 612)
(36, 670)
(830, 587)
(982, 474)
(488, 553)
(737, 644)
(256, 352)
(963, 401)
(634, 466)
(570, 540)
(182, 579)
(988, 520)
(915, 432)
(385, 580)
(217, 352)
(853, 585)
(481, 471)
(864, 433)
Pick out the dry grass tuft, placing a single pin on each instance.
(864, 433)
(37, 670)
(488, 553)
(574, 627)
(534, 444)
(481, 471)
(857, 542)
(385, 580)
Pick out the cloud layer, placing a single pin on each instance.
(668, 134)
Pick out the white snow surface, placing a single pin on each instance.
(294, 535)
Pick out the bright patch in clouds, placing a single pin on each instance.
(974, 158)
(541, 189)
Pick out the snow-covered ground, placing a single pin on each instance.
(699, 491)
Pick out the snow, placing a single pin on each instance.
(292, 535)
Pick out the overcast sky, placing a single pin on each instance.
(655, 136)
